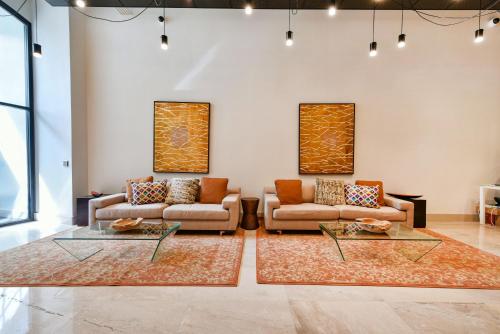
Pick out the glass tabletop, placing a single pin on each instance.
(398, 231)
(103, 231)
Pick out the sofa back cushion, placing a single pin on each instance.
(213, 190)
(182, 191)
(149, 192)
(380, 199)
(366, 196)
(128, 185)
(289, 191)
(329, 192)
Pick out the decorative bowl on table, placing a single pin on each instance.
(126, 224)
(373, 225)
(95, 194)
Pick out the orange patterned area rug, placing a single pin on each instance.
(185, 259)
(294, 258)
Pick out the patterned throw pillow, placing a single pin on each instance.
(183, 191)
(362, 195)
(329, 192)
(149, 192)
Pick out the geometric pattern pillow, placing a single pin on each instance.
(149, 192)
(183, 191)
(329, 192)
(366, 196)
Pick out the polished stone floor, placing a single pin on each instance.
(250, 307)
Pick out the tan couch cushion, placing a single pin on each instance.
(306, 211)
(126, 210)
(382, 213)
(196, 211)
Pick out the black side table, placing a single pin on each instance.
(250, 221)
(420, 213)
(82, 210)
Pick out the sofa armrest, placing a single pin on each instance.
(102, 202)
(397, 203)
(271, 202)
(401, 205)
(232, 203)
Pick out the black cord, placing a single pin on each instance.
(402, 16)
(479, 14)
(114, 21)
(36, 22)
(289, 13)
(373, 25)
(164, 18)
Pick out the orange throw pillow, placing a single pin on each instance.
(380, 200)
(213, 190)
(289, 191)
(136, 180)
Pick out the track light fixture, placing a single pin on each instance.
(332, 9)
(402, 37)
(289, 33)
(373, 44)
(80, 3)
(478, 35)
(164, 38)
(37, 48)
(248, 7)
(161, 19)
(493, 22)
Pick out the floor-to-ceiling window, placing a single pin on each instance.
(16, 118)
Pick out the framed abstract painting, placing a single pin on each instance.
(181, 137)
(326, 138)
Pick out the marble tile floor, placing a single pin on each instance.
(251, 307)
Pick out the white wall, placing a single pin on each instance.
(427, 117)
(52, 79)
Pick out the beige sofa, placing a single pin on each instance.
(308, 215)
(197, 216)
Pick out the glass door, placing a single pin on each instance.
(16, 118)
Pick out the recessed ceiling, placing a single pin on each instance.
(301, 4)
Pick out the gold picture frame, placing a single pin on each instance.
(181, 137)
(326, 138)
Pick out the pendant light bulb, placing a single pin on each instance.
(478, 36)
(332, 9)
(289, 38)
(37, 50)
(164, 42)
(248, 8)
(401, 41)
(373, 49)
(493, 22)
(479, 33)
(80, 3)
(161, 19)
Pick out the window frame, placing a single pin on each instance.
(30, 117)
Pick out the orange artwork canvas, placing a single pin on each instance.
(181, 137)
(326, 138)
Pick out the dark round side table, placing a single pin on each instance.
(250, 221)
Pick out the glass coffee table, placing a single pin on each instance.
(340, 231)
(154, 232)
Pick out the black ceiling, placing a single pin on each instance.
(302, 4)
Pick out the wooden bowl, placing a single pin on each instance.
(373, 225)
(126, 224)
